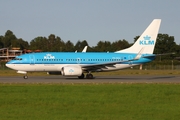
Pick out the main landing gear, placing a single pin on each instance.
(88, 76)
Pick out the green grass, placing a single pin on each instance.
(90, 101)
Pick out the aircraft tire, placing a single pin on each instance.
(89, 76)
(25, 77)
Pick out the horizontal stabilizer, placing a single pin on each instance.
(154, 55)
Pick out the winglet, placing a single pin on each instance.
(85, 49)
(139, 54)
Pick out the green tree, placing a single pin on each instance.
(80, 45)
(165, 44)
(119, 45)
(8, 39)
(22, 44)
(135, 38)
(55, 43)
(60, 45)
(103, 46)
(69, 46)
(1, 43)
(39, 43)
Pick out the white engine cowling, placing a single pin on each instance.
(71, 71)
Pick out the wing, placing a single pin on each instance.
(109, 64)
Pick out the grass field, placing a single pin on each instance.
(90, 101)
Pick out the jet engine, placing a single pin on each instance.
(71, 71)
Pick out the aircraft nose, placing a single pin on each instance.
(8, 65)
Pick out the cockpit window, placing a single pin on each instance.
(17, 59)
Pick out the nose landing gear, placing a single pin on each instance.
(23, 72)
(25, 77)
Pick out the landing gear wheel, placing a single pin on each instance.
(25, 77)
(81, 77)
(89, 76)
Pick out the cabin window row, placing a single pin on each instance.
(49, 59)
(94, 59)
(80, 60)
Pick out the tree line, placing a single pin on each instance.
(56, 44)
(53, 43)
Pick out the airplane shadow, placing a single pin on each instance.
(115, 78)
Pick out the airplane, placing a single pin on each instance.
(77, 64)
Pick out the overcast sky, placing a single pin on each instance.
(91, 20)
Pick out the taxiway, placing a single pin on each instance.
(97, 79)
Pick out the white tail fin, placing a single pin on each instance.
(146, 41)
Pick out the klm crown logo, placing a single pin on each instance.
(71, 71)
(49, 56)
(147, 41)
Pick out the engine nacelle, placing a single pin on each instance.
(71, 71)
(54, 73)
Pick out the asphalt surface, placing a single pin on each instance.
(97, 79)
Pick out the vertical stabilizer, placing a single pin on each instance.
(146, 41)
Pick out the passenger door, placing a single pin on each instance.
(32, 59)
